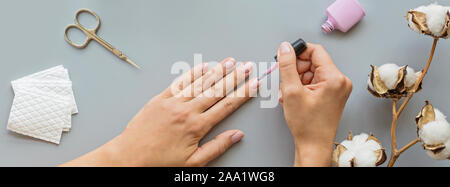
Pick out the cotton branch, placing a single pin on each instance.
(397, 112)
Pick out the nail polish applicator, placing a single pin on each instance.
(299, 47)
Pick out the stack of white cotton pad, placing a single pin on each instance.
(43, 105)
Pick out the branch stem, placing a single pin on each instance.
(409, 145)
(396, 113)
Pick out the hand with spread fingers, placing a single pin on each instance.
(167, 131)
(313, 94)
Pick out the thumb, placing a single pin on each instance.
(216, 147)
(287, 62)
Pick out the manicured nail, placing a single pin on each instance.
(229, 64)
(248, 67)
(237, 137)
(205, 67)
(280, 95)
(254, 84)
(285, 48)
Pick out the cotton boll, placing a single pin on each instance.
(392, 81)
(435, 132)
(359, 151)
(436, 15)
(411, 77)
(345, 159)
(430, 20)
(389, 75)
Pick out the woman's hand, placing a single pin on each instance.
(167, 131)
(313, 94)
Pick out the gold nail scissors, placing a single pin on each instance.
(91, 34)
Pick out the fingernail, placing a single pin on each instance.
(205, 67)
(285, 48)
(248, 67)
(254, 84)
(237, 137)
(229, 64)
(280, 96)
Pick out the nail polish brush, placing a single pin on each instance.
(299, 47)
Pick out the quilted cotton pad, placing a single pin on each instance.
(50, 93)
(43, 105)
(61, 88)
(57, 74)
(38, 116)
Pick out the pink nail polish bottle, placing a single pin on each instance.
(343, 15)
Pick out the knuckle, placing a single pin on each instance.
(180, 115)
(163, 104)
(221, 146)
(313, 103)
(340, 82)
(196, 129)
(349, 84)
(229, 105)
(290, 91)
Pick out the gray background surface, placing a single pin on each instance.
(157, 33)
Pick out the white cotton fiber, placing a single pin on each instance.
(366, 158)
(362, 150)
(389, 75)
(411, 77)
(439, 116)
(345, 159)
(436, 15)
(435, 132)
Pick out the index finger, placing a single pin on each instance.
(317, 55)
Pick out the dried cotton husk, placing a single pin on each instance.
(434, 132)
(392, 81)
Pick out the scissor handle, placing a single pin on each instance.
(89, 32)
(91, 13)
(81, 46)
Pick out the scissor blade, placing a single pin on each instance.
(132, 63)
